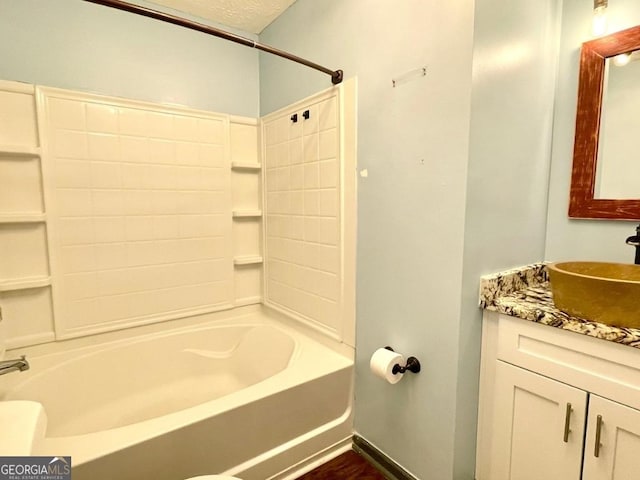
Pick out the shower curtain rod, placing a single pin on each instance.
(336, 75)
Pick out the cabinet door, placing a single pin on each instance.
(618, 457)
(538, 427)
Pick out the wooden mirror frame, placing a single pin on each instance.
(582, 203)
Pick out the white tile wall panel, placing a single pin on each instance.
(246, 188)
(304, 240)
(25, 298)
(17, 115)
(21, 190)
(140, 200)
(244, 142)
(27, 315)
(24, 251)
(248, 284)
(246, 234)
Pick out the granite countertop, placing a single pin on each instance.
(524, 293)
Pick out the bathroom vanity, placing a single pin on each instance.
(559, 396)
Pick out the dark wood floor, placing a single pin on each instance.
(348, 466)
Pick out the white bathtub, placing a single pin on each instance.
(237, 393)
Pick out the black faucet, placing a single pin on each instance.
(634, 241)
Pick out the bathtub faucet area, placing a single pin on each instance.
(16, 365)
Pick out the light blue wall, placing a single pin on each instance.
(413, 142)
(514, 78)
(480, 195)
(77, 45)
(569, 239)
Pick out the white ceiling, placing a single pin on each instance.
(247, 15)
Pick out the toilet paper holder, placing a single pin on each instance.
(413, 364)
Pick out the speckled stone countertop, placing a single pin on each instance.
(524, 292)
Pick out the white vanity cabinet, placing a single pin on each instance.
(543, 393)
(529, 426)
(618, 455)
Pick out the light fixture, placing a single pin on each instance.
(599, 26)
(622, 59)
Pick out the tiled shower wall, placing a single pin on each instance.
(304, 240)
(138, 221)
(116, 213)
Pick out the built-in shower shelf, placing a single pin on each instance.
(19, 151)
(245, 166)
(22, 218)
(35, 282)
(247, 213)
(247, 260)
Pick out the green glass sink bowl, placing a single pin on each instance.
(602, 292)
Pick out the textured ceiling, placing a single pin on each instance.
(248, 15)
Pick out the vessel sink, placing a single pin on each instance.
(602, 292)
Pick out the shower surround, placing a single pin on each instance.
(123, 215)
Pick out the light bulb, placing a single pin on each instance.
(622, 59)
(599, 26)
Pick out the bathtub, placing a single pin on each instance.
(243, 393)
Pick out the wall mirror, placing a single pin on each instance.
(605, 180)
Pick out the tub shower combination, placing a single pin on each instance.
(186, 360)
(180, 281)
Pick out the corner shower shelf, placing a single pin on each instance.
(247, 213)
(35, 282)
(247, 260)
(22, 218)
(19, 151)
(245, 166)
